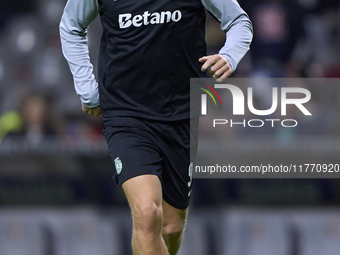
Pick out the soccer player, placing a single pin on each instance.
(149, 51)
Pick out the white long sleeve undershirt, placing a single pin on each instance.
(78, 14)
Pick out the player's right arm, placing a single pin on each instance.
(77, 16)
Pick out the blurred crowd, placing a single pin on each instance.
(37, 98)
(292, 38)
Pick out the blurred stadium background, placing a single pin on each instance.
(56, 192)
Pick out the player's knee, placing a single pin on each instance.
(148, 218)
(173, 230)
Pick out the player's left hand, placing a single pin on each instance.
(220, 67)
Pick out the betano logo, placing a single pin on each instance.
(239, 103)
(126, 20)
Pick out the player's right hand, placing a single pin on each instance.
(96, 111)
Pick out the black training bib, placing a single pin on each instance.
(149, 51)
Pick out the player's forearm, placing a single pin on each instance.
(238, 39)
(78, 14)
(235, 22)
(75, 50)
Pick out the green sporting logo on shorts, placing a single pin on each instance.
(118, 165)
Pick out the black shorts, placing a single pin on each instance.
(139, 146)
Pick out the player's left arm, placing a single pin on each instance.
(239, 33)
